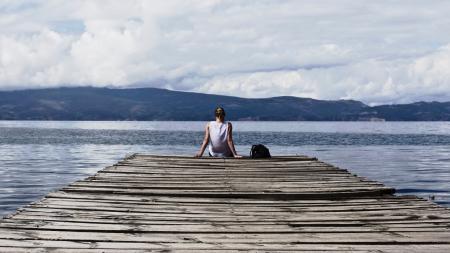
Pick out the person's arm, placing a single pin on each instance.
(230, 141)
(205, 142)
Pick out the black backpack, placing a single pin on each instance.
(259, 151)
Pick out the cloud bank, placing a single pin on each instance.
(374, 51)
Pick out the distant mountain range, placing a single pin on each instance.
(87, 103)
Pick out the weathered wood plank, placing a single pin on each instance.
(192, 247)
(166, 199)
(236, 208)
(209, 228)
(252, 208)
(98, 217)
(224, 238)
(339, 216)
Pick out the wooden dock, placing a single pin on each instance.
(151, 203)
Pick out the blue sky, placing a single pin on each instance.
(375, 51)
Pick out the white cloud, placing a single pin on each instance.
(375, 81)
(378, 52)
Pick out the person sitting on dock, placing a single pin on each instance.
(219, 135)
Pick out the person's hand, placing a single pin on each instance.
(198, 155)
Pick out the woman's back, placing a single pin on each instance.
(218, 132)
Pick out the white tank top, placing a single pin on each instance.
(218, 134)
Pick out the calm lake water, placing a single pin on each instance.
(41, 156)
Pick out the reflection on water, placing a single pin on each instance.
(34, 161)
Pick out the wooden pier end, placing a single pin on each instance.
(148, 203)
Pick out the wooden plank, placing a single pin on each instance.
(223, 185)
(231, 238)
(253, 208)
(187, 247)
(166, 199)
(313, 193)
(338, 216)
(183, 219)
(250, 208)
(209, 228)
(137, 219)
